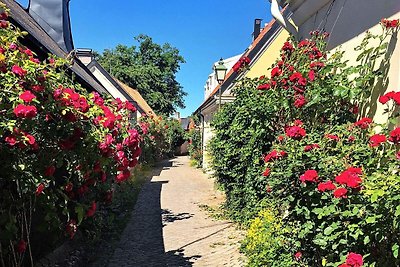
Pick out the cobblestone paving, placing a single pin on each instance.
(168, 227)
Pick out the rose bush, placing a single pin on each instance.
(160, 136)
(323, 168)
(62, 149)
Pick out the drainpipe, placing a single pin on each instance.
(276, 13)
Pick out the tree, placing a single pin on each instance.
(151, 69)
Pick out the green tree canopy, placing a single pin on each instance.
(151, 69)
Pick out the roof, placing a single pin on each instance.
(41, 43)
(136, 96)
(251, 53)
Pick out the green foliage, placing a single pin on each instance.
(161, 137)
(195, 149)
(312, 101)
(62, 149)
(151, 69)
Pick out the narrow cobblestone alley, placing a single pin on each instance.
(169, 228)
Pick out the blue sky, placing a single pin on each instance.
(203, 31)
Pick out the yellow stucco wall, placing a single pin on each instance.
(268, 56)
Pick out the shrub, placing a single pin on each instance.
(161, 136)
(61, 148)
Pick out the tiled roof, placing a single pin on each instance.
(136, 96)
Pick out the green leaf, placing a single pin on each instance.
(395, 250)
(79, 211)
(366, 240)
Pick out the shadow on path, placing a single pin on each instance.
(142, 241)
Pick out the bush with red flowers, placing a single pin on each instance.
(323, 169)
(62, 149)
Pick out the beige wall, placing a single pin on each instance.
(268, 56)
(347, 23)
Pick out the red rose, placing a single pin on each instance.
(265, 86)
(27, 96)
(309, 176)
(295, 132)
(11, 140)
(50, 171)
(354, 260)
(274, 155)
(39, 189)
(395, 136)
(21, 246)
(267, 172)
(311, 147)
(298, 255)
(398, 155)
(71, 228)
(326, 186)
(276, 72)
(332, 137)
(92, 209)
(123, 176)
(311, 75)
(340, 193)
(287, 47)
(38, 88)
(18, 71)
(300, 101)
(364, 123)
(23, 111)
(376, 140)
(350, 177)
(390, 24)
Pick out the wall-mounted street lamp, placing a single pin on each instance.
(220, 72)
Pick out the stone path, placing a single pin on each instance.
(169, 228)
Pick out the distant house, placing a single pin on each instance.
(347, 22)
(262, 52)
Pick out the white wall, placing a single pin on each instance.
(212, 82)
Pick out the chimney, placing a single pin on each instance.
(257, 28)
(53, 17)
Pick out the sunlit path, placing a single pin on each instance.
(169, 228)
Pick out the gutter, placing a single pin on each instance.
(286, 24)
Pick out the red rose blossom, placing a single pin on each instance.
(71, 228)
(376, 140)
(395, 136)
(309, 176)
(390, 24)
(92, 209)
(18, 71)
(350, 177)
(27, 96)
(50, 171)
(340, 193)
(267, 172)
(300, 101)
(332, 137)
(39, 189)
(23, 111)
(326, 186)
(298, 255)
(364, 123)
(21, 246)
(295, 132)
(354, 260)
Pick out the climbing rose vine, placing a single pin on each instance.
(62, 149)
